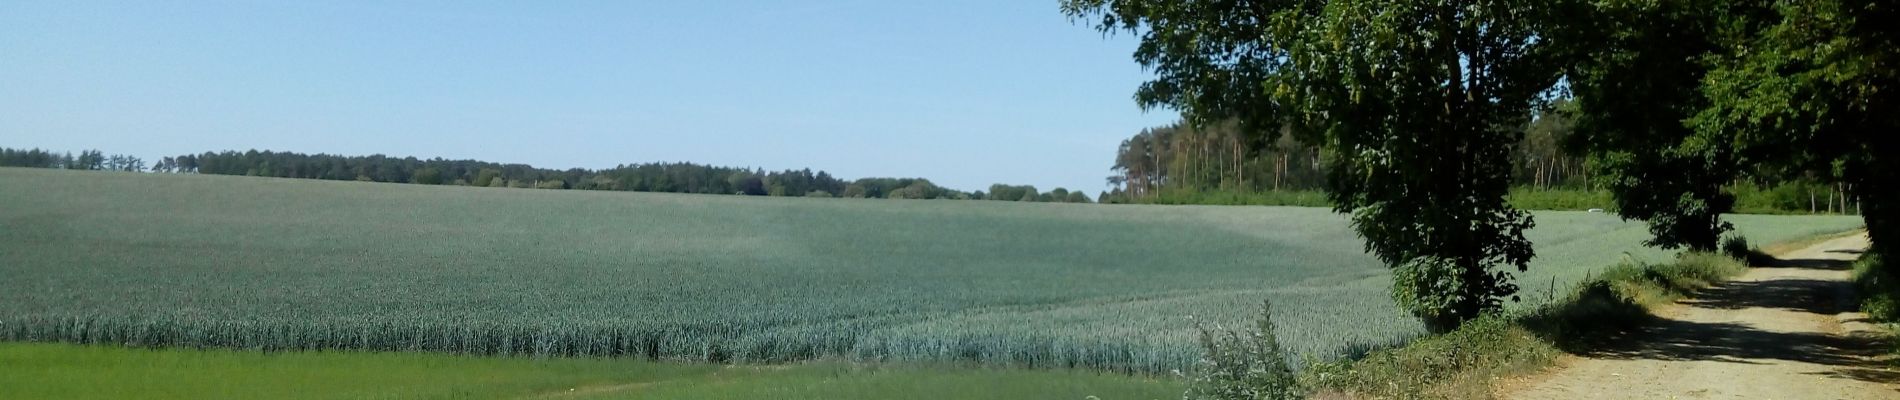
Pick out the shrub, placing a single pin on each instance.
(1243, 365)
(1879, 289)
(1736, 246)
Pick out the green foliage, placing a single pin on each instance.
(1433, 288)
(87, 160)
(854, 191)
(1879, 288)
(1219, 157)
(1683, 206)
(1560, 199)
(1419, 103)
(428, 176)
(1737, 247)
(148, 260)
(1802, 196)
(487, 176)
(920, 190)
(1635, 67)
(1809, 87)
(1247, 365)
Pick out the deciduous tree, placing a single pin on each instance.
(1419, 103)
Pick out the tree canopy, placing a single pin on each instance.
(1418, 104)
(1809, 87)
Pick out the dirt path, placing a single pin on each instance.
(1780, 332)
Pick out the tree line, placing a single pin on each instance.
(1222, 156)
(668, 177)
(86, 160)
(1176, 163)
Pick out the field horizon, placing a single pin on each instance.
(288, 264)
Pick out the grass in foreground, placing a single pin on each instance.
(65, 371)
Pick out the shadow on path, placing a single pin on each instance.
(1679, 340)
(1810, 263)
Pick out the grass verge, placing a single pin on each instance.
(1464, 363)
(69, 371)
(1879, 289)
(1878, 286)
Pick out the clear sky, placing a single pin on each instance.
(966, 93)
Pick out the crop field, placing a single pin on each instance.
(238, 262)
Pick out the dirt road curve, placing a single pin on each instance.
(1778, 332)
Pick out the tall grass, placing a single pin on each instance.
(277, 264)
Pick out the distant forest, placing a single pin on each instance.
(1215, 164)
(1180, 158)
(647, 177)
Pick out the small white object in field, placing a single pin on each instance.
(1596, 210)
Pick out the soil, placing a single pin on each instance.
(1784, 331)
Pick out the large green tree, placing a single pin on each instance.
(1636, 68)
(1417, 102)
(1811, 86)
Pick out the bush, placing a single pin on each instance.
(1879, 289)
(1243, 365)
(1736, 246)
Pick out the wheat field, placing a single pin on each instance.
(280, 264)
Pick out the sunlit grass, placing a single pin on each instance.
(63, 371)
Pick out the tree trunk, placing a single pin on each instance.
(1279, 171)
(1830, 201)
(1843, 188)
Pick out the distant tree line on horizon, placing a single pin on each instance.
(667, 177)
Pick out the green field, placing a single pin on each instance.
(262, 263)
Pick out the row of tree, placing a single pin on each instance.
(86, 160)
(646, 177)
(1420, 109)
(1223, 157)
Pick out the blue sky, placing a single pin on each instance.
(966, 93)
